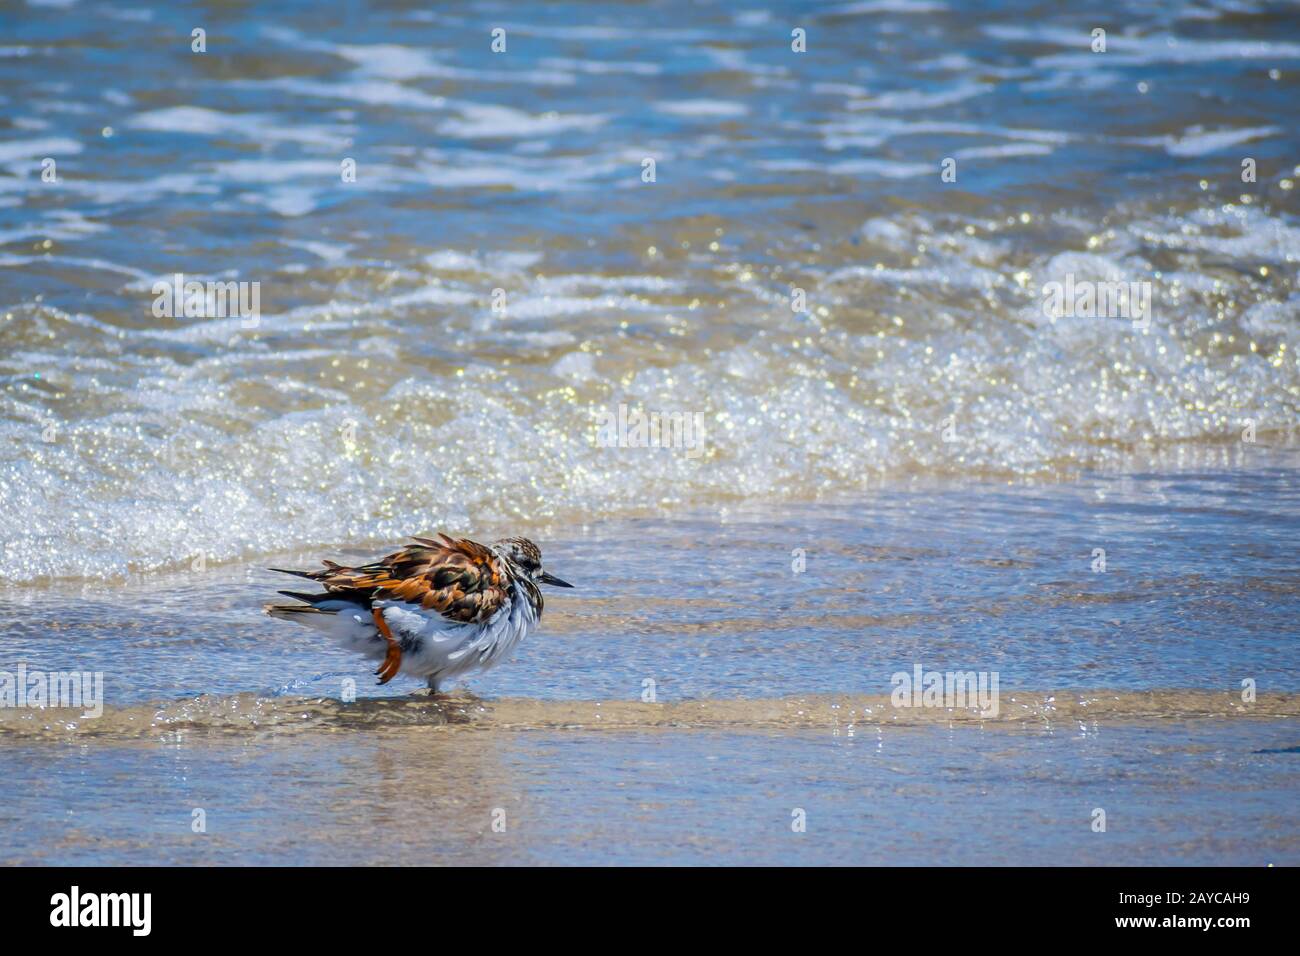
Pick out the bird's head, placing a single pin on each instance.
(526, 559)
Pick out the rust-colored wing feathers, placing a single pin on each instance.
(461, 579)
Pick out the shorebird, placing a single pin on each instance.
(435, 609)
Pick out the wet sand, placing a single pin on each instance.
(702, 790)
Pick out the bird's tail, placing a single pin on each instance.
(301, 574)
(290, 612)
(349, 623)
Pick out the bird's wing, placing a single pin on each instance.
(460, 579)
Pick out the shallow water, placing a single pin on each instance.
(1201, 589)
(438, 341)
(1194, 792)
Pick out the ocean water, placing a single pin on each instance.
(884, 450)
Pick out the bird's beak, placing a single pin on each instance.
(552, 579)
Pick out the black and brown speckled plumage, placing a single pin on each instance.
(459, 578)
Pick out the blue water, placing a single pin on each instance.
(437, 339)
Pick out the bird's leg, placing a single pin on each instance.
(393, 657)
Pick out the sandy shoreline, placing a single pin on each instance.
(254, 716)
